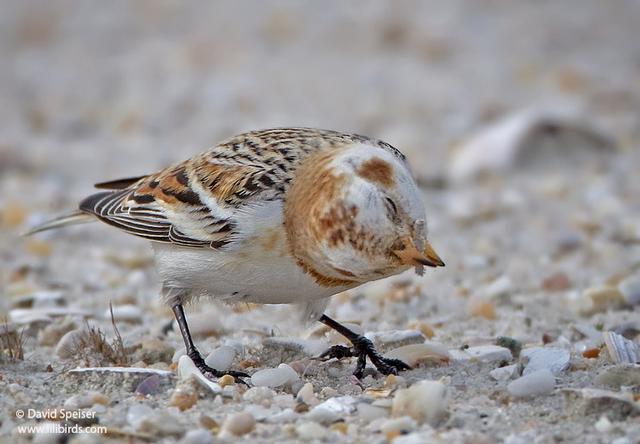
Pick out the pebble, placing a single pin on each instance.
(425, 401)
(149, 386)
(239, 424)
(51, 334)
(505, 373)
(187, 369)
(184, 397)
(414, 354)
(161, 423)
(552, 358)
(309, 431)
(630, 289)
(274, 377)
(226, 380)
(307, 395)
(197, 436)
(39, 299)
(125, 313)
(621, 349)
(221, 358)
(332, 409)
(87, 399)
(536, 383)
(67, 346)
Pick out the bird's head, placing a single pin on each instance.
(355, 215)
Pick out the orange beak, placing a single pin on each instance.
(410, 255)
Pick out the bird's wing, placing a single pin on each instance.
(195, 203)
(191, 204)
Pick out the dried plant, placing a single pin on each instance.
(94, 341)
(11, 342)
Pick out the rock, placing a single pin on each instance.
(624, 375)
(425, 401)
(221, 358)
(403, 424)
(238, 424)
(149, 386)
(125, 313)
(197, 436)
(386, 340)
(226, 380)
(187, 369)
(589, 401)
(498, 287)
(630, 290)
(274, 377)
(68, 344)
(258, 394)
(309, 431)
(483, 353)
(621, 349)
(39, 299)
(526, 138)
(505, 373)
(536, 383)
(552, 358)
(84, 400)
(368, 412)
(415, 354)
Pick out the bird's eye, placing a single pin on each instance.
(391, 205)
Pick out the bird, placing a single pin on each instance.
(275, 216)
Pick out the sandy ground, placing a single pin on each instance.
(92, 91)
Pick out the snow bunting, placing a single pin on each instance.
(280, 216)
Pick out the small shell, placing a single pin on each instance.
(621, 349)
(187, 369)
(221, 358)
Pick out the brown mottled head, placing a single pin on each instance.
(355, 215)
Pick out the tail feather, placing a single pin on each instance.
(74, 218)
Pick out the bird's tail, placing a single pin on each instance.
(77, 217)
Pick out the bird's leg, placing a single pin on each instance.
(362, 348)
(195, 355)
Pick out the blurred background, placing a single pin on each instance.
(93, 90)
(521, 122)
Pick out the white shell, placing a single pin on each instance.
(621, 349)
(186, 369)
(274, 377)
(552, 358)
(536, 383)
(221, 358)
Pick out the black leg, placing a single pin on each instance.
(195, 355)
(362, 348)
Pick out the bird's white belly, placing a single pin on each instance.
(260, 270)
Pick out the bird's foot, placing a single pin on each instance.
(212, 374)
(363, 348)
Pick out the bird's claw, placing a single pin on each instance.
(363, 348)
